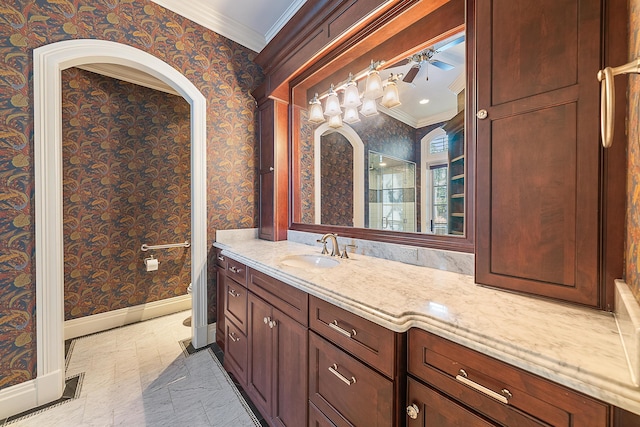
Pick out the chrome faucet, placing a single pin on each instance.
(335, 250)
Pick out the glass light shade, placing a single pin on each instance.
(335, 121)
(315, 112)
(369, 107)
(373, 87)
(351, 115)
(390, 97)
(332, 105)
(351, 96)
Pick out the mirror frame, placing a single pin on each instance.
(428, 30)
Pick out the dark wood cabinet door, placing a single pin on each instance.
(290, 403)
(261, 372)
(235, 357)
(431, 409)
(235, 303)
(538, 147)
(347, 391)
(272, 123)
(220, 288)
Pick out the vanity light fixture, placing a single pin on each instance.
(332, 105)
(335, 121)
(351, 115)
(390, 97)
(315, 110)
(373, 86)
(351, 94)
(369, 107)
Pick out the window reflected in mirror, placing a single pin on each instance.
(384, 148)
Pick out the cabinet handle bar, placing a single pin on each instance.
(463, 378)
(334, 370)
(334, 325)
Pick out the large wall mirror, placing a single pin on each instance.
(380, 145)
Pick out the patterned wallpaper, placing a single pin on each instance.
(336, 173)
(221, 69)
(632, 261)
(126, 174)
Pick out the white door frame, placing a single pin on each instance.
(48, 62)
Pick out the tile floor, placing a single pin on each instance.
(141, 375)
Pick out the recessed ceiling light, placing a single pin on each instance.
(424, 101)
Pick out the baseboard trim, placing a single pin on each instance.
(30, 394)
(112, 319)
(211, 333)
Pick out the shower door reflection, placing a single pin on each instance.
(392, 193)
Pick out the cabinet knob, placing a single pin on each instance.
(271, 169)
(482, 114)
(413, 411)
(273, 324)
(266, 320)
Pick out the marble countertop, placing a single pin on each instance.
(571, 345)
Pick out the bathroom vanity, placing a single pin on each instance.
(358, 344)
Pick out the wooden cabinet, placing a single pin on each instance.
(538, 151)
(356, 368)
(428, 408)
(233, 283)
(277, 364)
(346, 390)
(220, 271)
(272, 134)
(491, 389)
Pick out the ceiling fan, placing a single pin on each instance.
(425, 58)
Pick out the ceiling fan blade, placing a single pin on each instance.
(411, 74)
(441, 65)
(451, 44)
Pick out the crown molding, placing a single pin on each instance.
(458, 84)
(417, 124)
(284, 18)
(215, 21)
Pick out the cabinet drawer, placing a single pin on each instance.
(479, 381)
(235, 307)
(291, 301)
(235, 357)
(317, 418)
(221, 260)
(371, 343)
(432, 409)
(237, 271)
(348, 392)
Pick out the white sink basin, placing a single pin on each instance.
(310, 261)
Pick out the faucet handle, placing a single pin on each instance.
(345, 255)
(324, 246)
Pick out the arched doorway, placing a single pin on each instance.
(49, 61)
(358, 171)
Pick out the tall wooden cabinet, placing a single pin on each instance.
(273, 167)
(538, 156)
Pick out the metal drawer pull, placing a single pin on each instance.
(413, 411)
(235, 270)
(334, 325)
(233, 337)
(334, 370)
(233, 293)
(220, 258)
(504, 397)
(266, 320)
